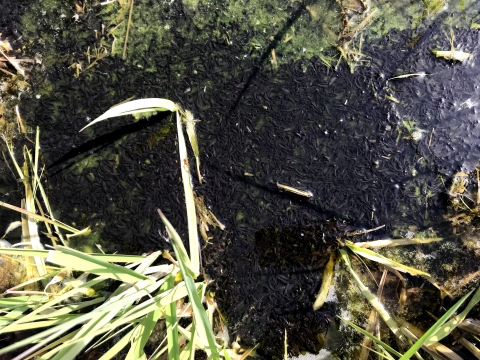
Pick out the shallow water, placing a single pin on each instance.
(298, 123)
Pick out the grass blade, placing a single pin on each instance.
(396, 242)
(383, 260)
(136, 106)
(46, 307)
(449, 326)
(76, 260)
(189, 201)
(374, 338)
(204, 330)
(181, 252)
(392, 324)
(119, 345)
(326, 282)
(171, 321)
(113, 258)
(39, 217)
(96, 323)
(430, 332)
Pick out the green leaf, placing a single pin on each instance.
(430, 332)
(181, 252)
(171, 321)
(372, 337)
(204, 330)
(449, 326)
(76, 260)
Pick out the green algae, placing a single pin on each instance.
(149, 28)
(294, 31)
(91, 161)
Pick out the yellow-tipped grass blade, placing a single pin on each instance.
(326, 282)
(383, 260)
(396, 242)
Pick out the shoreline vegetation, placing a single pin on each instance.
(150, 293)
(161, 305)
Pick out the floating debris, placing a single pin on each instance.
(452, 54)
(299, 192)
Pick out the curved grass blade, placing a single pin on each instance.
(135, 106)
(326, 282)
(383, 260)
(180, 252)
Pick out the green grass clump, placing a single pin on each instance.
(71, 312)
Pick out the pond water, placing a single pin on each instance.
(278, 104)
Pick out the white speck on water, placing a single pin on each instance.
(409, 235)
(322, 355)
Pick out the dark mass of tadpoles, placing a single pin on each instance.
(305, 125)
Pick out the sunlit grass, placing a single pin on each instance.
(144, 295)
(428, 341)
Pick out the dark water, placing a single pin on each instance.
(323, 130)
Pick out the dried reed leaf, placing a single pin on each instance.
(326, 282)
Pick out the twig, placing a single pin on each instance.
(361, 232)
(14, 62)
(19, 120)
(124, 55)
(7, 72)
